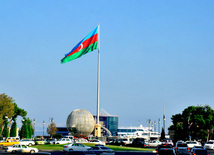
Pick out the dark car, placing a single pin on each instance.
(166, 151)
(182, 148)
(118, 142)
(138, 144)
(163, 146)
(199, 151)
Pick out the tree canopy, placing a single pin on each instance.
(6, 107)
(9, 110)
(195, 122)
(51, 129)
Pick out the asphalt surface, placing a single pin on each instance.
(2, 152)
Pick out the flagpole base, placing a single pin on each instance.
(97, 130)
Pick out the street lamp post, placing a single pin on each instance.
(43, 128)
(34, 121)
(149, 128)
(159, 125)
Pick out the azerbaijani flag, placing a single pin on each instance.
(88, 44)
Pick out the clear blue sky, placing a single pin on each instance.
(154, 54)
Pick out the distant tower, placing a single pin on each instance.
(164, 119)
(158, 125)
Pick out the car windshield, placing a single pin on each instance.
(191, 143)
(105, 148)
(201, 151)
(182, 145)
(94, 148)
(209, 142)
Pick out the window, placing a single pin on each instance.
(82, 145)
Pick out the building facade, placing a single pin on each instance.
(109, 124)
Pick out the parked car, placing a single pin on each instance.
(182, 148)
(9, 142)
(138, 144)
(166, 151)
(71, 137)
(209, 145)
(18, 148)
(63, 141)
(101, 150)
(191, 144)
(97, 141)
(81, 140)
(117, 142)
(51, 141)
(17, 138)
(41, 142)
(199, 151)
(126, 140)
(154, 143)
(75, 147)
(168, 141)
(28, 142)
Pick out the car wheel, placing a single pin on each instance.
(13, 151)
(30, 144)
(32, 151)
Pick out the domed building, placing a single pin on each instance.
(80, 123)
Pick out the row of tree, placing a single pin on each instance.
(195, 122)
(9, 111)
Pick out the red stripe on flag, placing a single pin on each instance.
(85, 44)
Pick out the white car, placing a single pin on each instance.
(28, 142)
(154, 143)
(209, 145)
(18, 148)
(63, 141)
(97, 141)
(191, 144)
(75, 147)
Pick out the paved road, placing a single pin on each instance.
(63, 153)
(2, 152)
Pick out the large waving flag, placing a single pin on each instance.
(88, 44)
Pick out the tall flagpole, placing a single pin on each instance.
(98, 76)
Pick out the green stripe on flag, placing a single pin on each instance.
(80, 53)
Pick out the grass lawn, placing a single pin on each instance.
(116, 148)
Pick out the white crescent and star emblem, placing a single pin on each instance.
(81, 46)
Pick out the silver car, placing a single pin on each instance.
(75, 147)
(100, 149)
